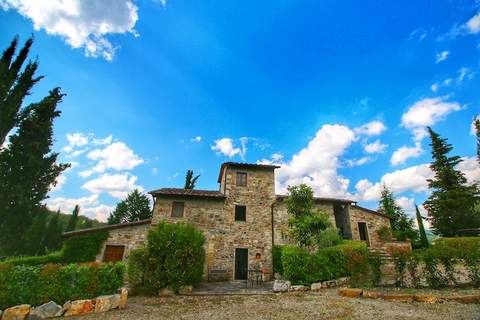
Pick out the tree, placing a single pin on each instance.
(476, 124)
(423, 235)
(36, 234)
(135, 207)
(402, 225)
(15, 85)
(72, 222)
(87, 223)
(28, 168)
(190, 181)
(310, 227)
(53, 234)
(451, 204)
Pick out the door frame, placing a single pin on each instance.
(235, 262)
(367, 232)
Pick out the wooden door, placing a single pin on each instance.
(113, 253)
(241, 264)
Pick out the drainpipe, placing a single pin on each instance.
(273, 222)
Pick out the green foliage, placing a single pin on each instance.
(36, 285)
(350, 258)
(476, 124)
(190, 180)
(173, 257)
(277, 259)
(451, 204)
(421, 229)
(72, 222)
(385, 233)
(53, 235)
(135, 207)
(81, 248)
(300, 200)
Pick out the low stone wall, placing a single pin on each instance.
(69, 308)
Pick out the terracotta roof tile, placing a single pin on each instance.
(244, 165)
(187, 192)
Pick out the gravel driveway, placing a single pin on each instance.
(324, 305)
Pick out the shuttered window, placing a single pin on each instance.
(177, 209)
(241, 179)
(240, 213)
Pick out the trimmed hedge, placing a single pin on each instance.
(81, 248)
(174, 256)
(351, 258)
(36, 285)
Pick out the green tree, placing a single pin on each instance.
(15, 85)
(476, 124)
(135, 207)
(402, 225)
(53, 235)
(190, 180)
(309, 227)
(36, 234)
(87, 223)
(72, 222)
(451, 204)
(423, 235)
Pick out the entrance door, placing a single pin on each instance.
(362, 230)
(113, 253)
(241, 263)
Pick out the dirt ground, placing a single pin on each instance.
(324, 305)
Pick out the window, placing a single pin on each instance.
(177, 209)
(241, 179)
(113, 253)
(240, 213)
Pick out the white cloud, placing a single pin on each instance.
(407, 204)
(471, 168)
(375, 147)
(357, 162)
(100, 212)
(473, 130)
(81, 23)
(77, 139)
(403, 153)
(373, 128)
(226, 147)
(473, 25)
(154, 171)
(60, 181)
(66, 205)
(196, 139)
(427, 112)
(412, 179)
(442, 56)
(464, 73)
(317, 163)
(117, 156)
(116, 185)
(101, 142)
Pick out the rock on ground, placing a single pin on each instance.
(281, 286)
(78, 307)
(19, 312)
(45, 311)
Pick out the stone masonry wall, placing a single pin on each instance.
(131, 237)
(374, 223)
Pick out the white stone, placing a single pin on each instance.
(46, 310)
(316, 286)
(281, 286)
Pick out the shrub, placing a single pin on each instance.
(385, 233)
(328, 238)
(36, 285)
(277, 259)
(81, 248)
(173, 257)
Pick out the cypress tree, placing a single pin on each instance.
(451, 204)
(423, 235)
(190, 181)
(15, 85)
(476, 124)
(53, 235)
(72, 222)
(36, 234)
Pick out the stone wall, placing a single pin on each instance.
(374, 222)
(130, 237)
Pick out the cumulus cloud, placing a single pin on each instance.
(227, 147)
(317, 163)
(100, 212)
(407, 204)
(81, 23)
(473, 130)
(357, 162)
(373, 128)
(427, 112)
(470, 167)
(116, 185)
(375, 147)
(442, 56)
(89, 206)
(83, 141)
(403, 153)
(473, 25)
(117, 156)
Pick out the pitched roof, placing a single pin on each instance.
(378, 213)
(244, 165)
(280, 197)
(106, 228)
(178, 192)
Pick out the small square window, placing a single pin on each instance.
(240, 213)
(177, 209)
(241, 179)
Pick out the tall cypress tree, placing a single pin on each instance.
(36, 233)
(72, 222)
(53, 234)
(421, 229)
(15, 85)
(476, 124)
(451, 205)
(190, 180)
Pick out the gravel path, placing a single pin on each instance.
(324, 305)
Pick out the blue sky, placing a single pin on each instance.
(337, 93)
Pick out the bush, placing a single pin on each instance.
(174, 256)
(36, 285)
(385, 233)
(277, 259)
(81, 248)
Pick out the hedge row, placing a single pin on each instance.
(81, 248)
(437, 265)
(36, 285)
(351, 258)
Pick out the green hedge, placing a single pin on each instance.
(351, 258)
(36, 285)
(81, 248)
(174, 256)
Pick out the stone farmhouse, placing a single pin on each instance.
(241, 221)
